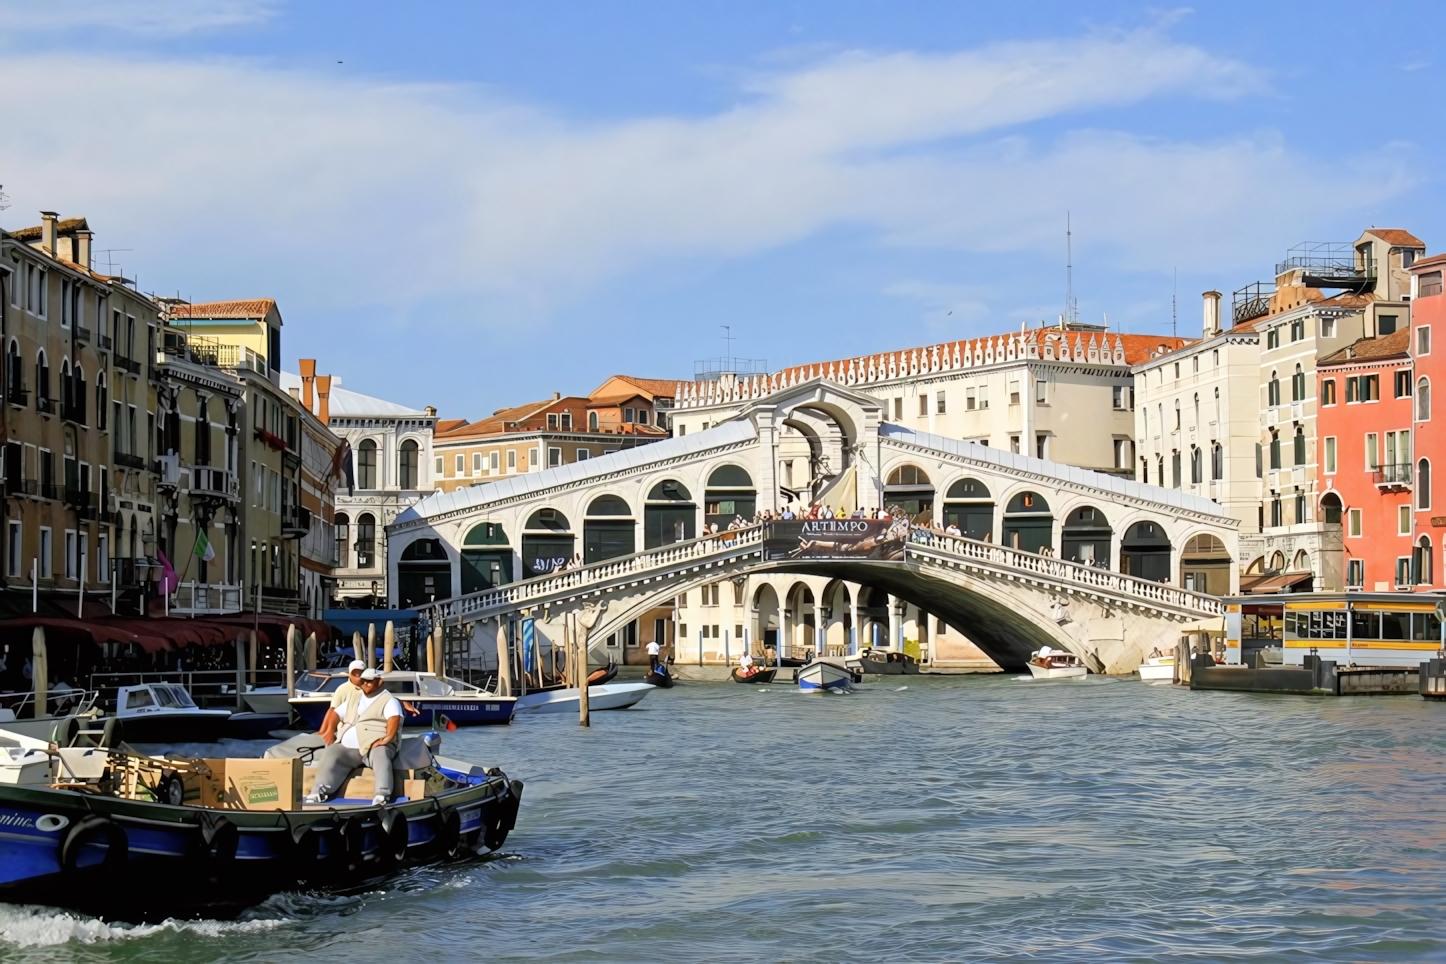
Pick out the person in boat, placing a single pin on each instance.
(653, 650)
(745, 665)
(338, 699)
(370, 721)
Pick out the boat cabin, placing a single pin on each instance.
(1367, 629)
(398, 683)
(152, 698)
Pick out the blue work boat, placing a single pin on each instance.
(821, 676)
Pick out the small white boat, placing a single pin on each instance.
(74, 711)
(607, 696)
(821, 676)
(271, 700)
(165, 713)
(1158, 669)
(1050, 663)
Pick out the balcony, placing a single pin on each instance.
(103, 342)
(295, 522)
(211, 483)
(83, 501)
(17, 394)
(205, 599)
(1394, 477)
(168, 467)
(45, 406)
(82, 335)
(1252, 301)
(72, 411)
(130, 573)
(214, 354)
(129, 461)
(127, 364)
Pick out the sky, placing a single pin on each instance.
(474, 205)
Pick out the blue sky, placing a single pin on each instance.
(473, 205)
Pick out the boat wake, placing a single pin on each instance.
(24, 925)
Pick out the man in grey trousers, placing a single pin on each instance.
(369, 722)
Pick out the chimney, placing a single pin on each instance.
(308, 375)
(82, 254)
(556, 396)
(323, 398)
(430, 411)
(47, 232)
(1212, 313)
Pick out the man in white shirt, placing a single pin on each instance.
(653, 650)
(350, 685)
(745, 665)
(370, 721)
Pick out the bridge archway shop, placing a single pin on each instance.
(486, 558)
(608, 531)
(969, 506)
(424, 573)
(547, 543)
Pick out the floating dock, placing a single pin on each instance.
(1316, 677)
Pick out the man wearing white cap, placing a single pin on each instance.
(370, 721)
(351, 685)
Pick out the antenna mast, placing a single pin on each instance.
(1071, 312)
(1174, 291)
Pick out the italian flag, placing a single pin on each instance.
(204, 549)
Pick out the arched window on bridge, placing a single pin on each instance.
(1028, 524)
(608, 530)
(1145, 552)
(547, 542)
(969, 506)
(669, 515)
(1205, 565)
(730, 494)
(908, 488)
(486, 558)
(424, 574)
(1085, 537)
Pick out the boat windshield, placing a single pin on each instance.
(431, 686)
(138, 698)
(313, 682)
(173, 696)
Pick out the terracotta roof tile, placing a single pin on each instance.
(61, 226)
(652, 386)
(447, 424)
(1398, 237)
(1435, 261)
(241, 309)
(1397, 343)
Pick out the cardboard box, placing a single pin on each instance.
(246, 784)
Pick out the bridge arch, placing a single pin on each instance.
(548, 542)
(486, 557)
(908, 486)
(1205, 565)
(969, 505)
(608, 529)
(730, 494)
(1145, 551)
(1085, 535)
(424, 572)
(669, 513)
(767, 617)
(1028, 522)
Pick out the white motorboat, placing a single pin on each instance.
(1050, 663)
(74, 709)
(1158, 669)
(607, 696)
(165, 713)
(430, 695)
(271, 700)
(821, 676)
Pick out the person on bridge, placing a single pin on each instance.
(653, 650)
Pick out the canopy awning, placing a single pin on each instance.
(1283, 582)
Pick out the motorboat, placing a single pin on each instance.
(267, 699)
(1158, 669)
(608, 696)
(758, 676)
(126, 836)
(822, 676)
(659, 676)
(165, 713)
(883, 662)
(69, 711)
(1047, 663)
(429, 695)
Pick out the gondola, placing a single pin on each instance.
(761, 676)
(605, 675)
(659, 676)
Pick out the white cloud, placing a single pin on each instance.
(163, 17)
(222, 173)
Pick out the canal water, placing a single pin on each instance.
(929, 819)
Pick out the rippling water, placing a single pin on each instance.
(975, 818)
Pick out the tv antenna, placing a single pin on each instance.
(727, 340)
(1071, 305)
(1174, 292)
(4, 198)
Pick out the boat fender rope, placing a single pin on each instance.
(117, 845)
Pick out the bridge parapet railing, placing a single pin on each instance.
(705, 548)
(1063, 570)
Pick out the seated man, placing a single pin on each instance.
(745, 665)
(339, 698)
(370, 721)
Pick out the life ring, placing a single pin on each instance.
(95, 829)
(396, 836)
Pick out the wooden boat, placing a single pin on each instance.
(123, 836)
(758, 676)
(605, 675)
(883, 662)
(1050, 663)
(821, 676)
(165, 713)
(431, 695)
(659, 676)
(1158, 669)
(608, 696)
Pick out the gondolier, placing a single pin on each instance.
(370, 720)
(653, 650)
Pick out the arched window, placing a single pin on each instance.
(366, 539)
(366, 466)
(1330, 505)
(1175, 469)
(203, 432)
(1421, 567)
(1217, 461)
(407, 462)
(1423, 399)
(1299, 445)
(15, 375)
(342, 530)
(908, 475)
(1423, 484)
(1272, 390)
(1197, 410)
(592, 421)
(1177, 415)
(42, 382)
(1274, 449)
(102, 401)
(1297, 384)
(1197, 465)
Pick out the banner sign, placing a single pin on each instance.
(837, 539)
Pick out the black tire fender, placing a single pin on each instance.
(449, 832)
(217, 840)
(396, 835)
(89, 830)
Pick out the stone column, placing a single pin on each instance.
(858, 630)
(766, 465)
(820, 627)
(1026, 411)
(894, 624)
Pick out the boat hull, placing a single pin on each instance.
(885, 664)
(819, 677)
(179, 726)
(1153, 671)
(485, 711)
(609, 696)
(141, 861)
(756, 679)
(271, 699)
(1057, 672)
(659, 680)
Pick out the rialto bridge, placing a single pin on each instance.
(1047, 553)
